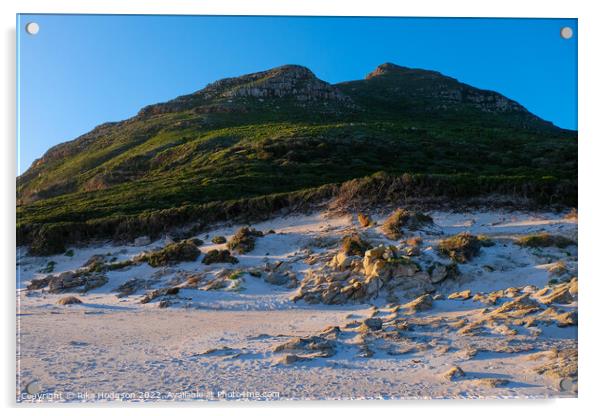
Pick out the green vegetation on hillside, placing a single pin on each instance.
(267, 140)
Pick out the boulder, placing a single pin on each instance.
(421, 303)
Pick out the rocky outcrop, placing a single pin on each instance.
(356, 278)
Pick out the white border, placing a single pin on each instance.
(590, 139)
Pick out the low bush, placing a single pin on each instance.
(354, 245)
(173, 253)
(460, 248)
(402, 218)
(244, 240)
(544, 240)
(219, 256)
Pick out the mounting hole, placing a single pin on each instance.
(566, 32)
(32, 28)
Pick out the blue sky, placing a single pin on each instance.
(82, 70)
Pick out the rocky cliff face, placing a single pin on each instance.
(289, 80)
(444, 91)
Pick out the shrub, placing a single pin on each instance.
(69, 300)
(244, 240)
(219, 256)
(235, 275)
(119, 265)
(353, 245)
(218, 239)
(172, 253)
(544, 240)
(402, 218)
(460, 248)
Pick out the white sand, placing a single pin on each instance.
(123, 350)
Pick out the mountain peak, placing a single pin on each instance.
(286, 80)
(389, 68)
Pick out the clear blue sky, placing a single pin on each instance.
(80, 71)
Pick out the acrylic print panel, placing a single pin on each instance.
(279, 208)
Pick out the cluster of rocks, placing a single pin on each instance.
(527, 307)
(356, 278)
(289, 80)
(80, 280)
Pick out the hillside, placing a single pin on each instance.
(284, 131)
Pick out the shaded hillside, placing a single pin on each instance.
(284, 130)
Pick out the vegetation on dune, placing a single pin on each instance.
(402, 218)
(354, 245)
(544, 240)
(244, 240)
(365, 220)
(172, 253)
(219, 256)
(224, 153)
(460, 248)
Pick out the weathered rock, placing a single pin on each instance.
(72, 280)
(560, 294)
(342, 261)
(130, 287)
(463, 295)
(373, 324)
(421, 303)
(40, 283)
(154, 294)
(518, 307)
(317, 345)
(277, 278)
(439, 272)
